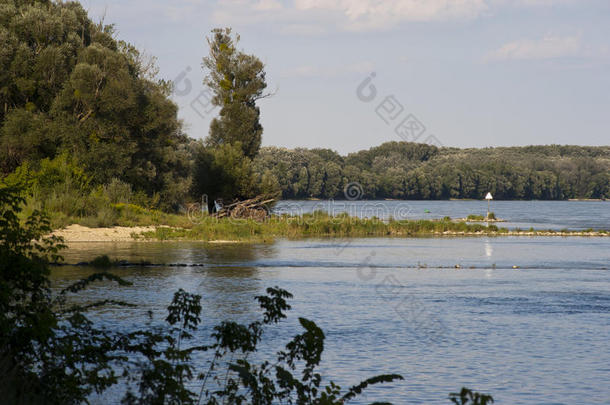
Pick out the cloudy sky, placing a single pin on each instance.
(351, 74)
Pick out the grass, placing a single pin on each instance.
(120, 214)
(474, 217)
(310, 225)
(318, 224)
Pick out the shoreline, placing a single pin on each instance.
(77, 233)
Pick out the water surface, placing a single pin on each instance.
(555, 215)
(536, 334)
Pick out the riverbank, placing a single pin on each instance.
(79, 233)
(212, 230)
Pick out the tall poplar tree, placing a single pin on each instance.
(238, 81)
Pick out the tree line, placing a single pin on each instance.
(401, 170)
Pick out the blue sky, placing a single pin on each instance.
(466, 73)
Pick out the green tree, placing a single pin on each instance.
(238, 81)
(223, 173)
(417, 171)
(223, 166)
(67, 85)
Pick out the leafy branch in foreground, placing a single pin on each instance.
(48, 354)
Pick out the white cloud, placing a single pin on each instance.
(378, 14)
(319, 16)
(549, 47)
(350, 15)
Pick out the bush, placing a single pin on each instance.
(118, 191)
(49, 353)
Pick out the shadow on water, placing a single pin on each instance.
(213, 271)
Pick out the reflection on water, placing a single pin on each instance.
(223, 283)
(535, 334)
(168, 252)
(489, 250)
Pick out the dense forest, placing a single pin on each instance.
(403, 170)
(79, 106)
(86, 123)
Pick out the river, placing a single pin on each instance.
(524, 318)
(556, 215)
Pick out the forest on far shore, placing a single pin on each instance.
(401, 170)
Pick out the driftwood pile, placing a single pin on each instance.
(256, 208)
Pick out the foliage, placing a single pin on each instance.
(402, 170)
(49, 352)
(69, 87)
(223, 165)
(237, 81)
(223, 172)
(230, 376)
(62, 187)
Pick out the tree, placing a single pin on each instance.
(223, 173)
(68, 86)
(223, 164)
(238, 81)
(418, 171)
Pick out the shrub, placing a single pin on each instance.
(118, 191)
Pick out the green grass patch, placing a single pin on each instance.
(311, 225)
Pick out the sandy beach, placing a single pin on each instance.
(79, 233)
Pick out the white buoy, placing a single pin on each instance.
(488, 197)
